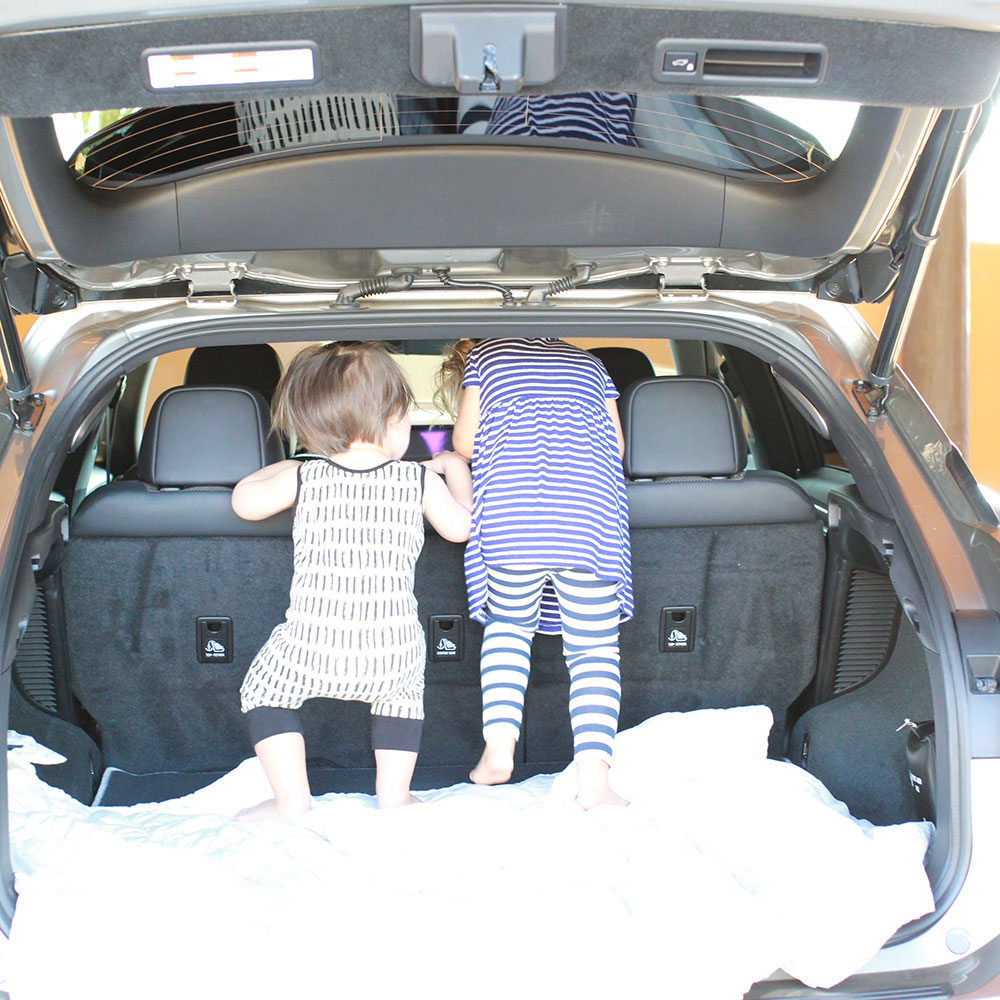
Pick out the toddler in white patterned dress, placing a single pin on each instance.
(351, 630)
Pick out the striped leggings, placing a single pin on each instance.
(589, 611)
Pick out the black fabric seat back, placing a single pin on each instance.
(745, 551)
(147, 559)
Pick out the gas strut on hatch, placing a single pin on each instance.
(923, 233)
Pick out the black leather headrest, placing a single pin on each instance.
(206, 436)
(255, 366)
(678, 426)
(624, 365)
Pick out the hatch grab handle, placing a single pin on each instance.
(922, 235)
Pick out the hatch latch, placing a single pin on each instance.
(487, 48)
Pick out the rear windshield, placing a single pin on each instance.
(770, 139)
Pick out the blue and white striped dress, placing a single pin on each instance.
(593, 116)
(548, 488)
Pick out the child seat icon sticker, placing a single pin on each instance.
(214, 648)
(445, 647)
(677, 638)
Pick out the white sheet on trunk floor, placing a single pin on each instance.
(725, 867)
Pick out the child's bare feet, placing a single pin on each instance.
(607, 797)
(393, 774)
(592, 784)
(496, 764)
(384, 801)
(269, 809)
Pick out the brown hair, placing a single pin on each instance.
(334, 394)
(448, 378)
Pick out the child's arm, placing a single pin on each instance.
(463, 434)
(455, 471)
(616, 422)
(448, 501)
(267, 491)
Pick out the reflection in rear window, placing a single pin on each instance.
(768, 139)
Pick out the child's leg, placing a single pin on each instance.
(396, 743)
(589, 611)
(277, 739)
(512, 608)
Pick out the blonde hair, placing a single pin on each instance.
(334, 394)
(448, 378)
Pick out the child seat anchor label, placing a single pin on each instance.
(214, 640)
(446, 637)
(677, 629)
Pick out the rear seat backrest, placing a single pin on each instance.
(744, 549)
(146, 559)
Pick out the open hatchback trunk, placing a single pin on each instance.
(698, 193)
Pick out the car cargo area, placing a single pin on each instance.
(742, 559)
(751, 598)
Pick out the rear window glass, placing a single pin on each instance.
(420, 361)
(770, 139)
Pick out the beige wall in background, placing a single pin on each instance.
(984, 364)
(952, 351)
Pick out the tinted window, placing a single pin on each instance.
(767, 139)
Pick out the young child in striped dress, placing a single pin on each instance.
(351, 630)
(549, 546)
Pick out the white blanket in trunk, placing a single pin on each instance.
(725, 867)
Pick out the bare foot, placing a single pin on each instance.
(396, 802)
(592, 787)
(495, 766)
(269, 809)
(590, 798)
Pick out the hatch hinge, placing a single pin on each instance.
(211, 279)
(871, 398)
(684, 275)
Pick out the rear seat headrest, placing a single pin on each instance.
(679, 426)
(624, 365)
(255, 366)
(206, 436)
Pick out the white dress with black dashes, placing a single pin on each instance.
(351, 630)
